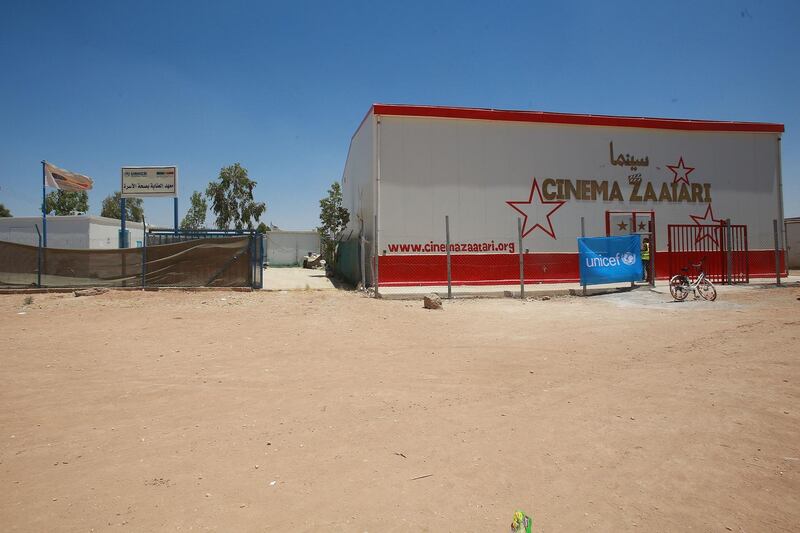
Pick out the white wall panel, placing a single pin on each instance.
(469, 169)
(287, 248)
(358, 192)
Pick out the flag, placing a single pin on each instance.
(610, 259)
(65, 180)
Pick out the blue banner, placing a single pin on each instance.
(610, 259)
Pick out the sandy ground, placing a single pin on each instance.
(295, 278)
(538, 289)
(328, 411)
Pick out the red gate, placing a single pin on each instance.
(724, 248)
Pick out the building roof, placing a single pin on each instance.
(573, 119)
(92, 219)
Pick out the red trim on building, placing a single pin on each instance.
(503, 269)
(574, 119)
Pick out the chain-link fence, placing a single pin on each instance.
(458, 265)
(354, 261)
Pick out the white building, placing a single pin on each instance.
(792, 226)
(287, 248)
(410, 166)
(73, 231)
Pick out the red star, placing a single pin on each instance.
(682, 170)
(530, 208)
(706, 219)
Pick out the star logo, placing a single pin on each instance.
(705, 232)
(622, 226)
(642, 226)
(681, 172)
(538, 210)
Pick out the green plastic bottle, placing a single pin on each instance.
(522, 522)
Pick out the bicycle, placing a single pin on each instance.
(681, 284)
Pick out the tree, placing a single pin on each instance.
(4, 211)
(134, 210)
(231, 198)
(66, 202)
(334, 220)
(196, 215)
(262, 228)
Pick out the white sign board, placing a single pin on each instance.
(140, 182)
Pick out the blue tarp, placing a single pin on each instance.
(610, 259)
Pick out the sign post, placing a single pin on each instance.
(176, 213)
(145, 182)
(122, 216)
(144, 253)
(583, 234)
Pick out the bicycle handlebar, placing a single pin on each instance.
(700, 264)
(697, 266)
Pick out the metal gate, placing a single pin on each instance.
(255, 246)
(257, 261)
(724, 248)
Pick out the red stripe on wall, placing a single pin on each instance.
(503, 269)
(574, 119)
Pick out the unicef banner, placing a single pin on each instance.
(610, 259)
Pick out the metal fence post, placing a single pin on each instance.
(583, 234)
(777, 253)
(376, 254)
(728, 252)
(362, 250)
(447, 247)
(651, 228)
(144, 251)
(38, 259)
(521, 261)
(262, 258)
(633, 230)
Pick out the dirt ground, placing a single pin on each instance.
(329, 411)
(293, 278)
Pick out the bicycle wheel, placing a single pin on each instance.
(679, 287)
(707, 290)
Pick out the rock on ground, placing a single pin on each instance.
(432, 301)
(90, 292)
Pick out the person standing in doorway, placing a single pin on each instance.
(646, 259)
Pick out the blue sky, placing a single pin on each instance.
(281, 87)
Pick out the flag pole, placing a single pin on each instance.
(44, 208)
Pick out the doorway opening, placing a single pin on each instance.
(642, 223)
